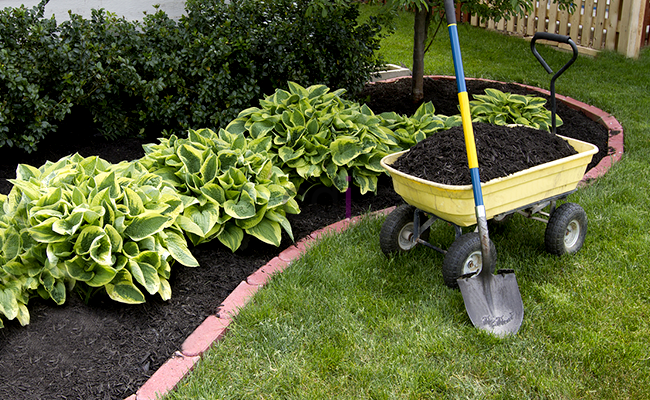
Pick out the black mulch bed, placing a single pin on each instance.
(107, 350)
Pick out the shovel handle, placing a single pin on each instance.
(468, 131)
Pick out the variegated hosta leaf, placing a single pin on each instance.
(267, 231)
(146, 225)
(231, 236)
(122, 289)
(177, 246)
(242, 208)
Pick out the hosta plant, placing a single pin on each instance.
(320, 137)
(422, 124)
(88, 223)
(234, 184)
(496, 107)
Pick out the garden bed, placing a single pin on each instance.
(107, 350)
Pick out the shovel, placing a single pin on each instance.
(493, 302)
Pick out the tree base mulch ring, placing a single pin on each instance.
(443, 93)
(108, 350)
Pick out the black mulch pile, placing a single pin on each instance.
(395, 96)
(501, 151)
(107, 350)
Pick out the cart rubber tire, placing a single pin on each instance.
(464, 257)
(397, 231)
(566, 229)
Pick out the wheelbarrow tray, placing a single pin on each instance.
(455, 203)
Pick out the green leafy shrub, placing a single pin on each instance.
(234, 184)
(320, 137)
(29, 110)
(161, 74)
(496, 107)
(290, 42)
(87, 223)
(422, 124)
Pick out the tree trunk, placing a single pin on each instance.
(421, 26)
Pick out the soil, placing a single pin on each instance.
(107, 350)
(501, 151)
(443, 93)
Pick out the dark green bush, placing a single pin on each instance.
(292, 44)
(29, 110)
(157, 74)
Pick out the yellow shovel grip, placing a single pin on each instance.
(466, 116)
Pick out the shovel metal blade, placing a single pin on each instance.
(493, 302)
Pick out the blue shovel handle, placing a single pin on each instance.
(468, 132)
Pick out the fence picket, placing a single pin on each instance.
(594, 24)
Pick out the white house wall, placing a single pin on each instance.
(129, 9)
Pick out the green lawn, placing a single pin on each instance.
(345, 322)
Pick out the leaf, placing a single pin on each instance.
(76, 268)
(214, 193)
(178, 249)
(261, 128)
(103, 275)
(191, 157)
(86, 239)
(241, 209)
(145, 274)
(204, 217)
(209, 168)
(54, 287)
(238, 126)
(123, 290)
(68, 225)
(24, 172)
(282, 220)
(8, 304)
(288, 154)
(114, 237)
(295, 88)
(267, 231)
(108, 181)
(366, 183)
(130, 249)
(101, 250)
(11, 244)
(146, 225)
(23, 315)
(252, 221)
(231, 236)
(133, 202)
(165, 290)
(344, 149)
(44, 233)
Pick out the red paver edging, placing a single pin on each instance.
(215, 326)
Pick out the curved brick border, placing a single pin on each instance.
(215, 326)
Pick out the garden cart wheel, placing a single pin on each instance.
(566, 229)
(464, 258)
(397, 231)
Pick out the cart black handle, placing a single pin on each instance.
(560, 39)
(554, 38)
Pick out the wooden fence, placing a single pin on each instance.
(620, 25)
